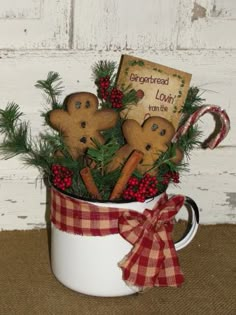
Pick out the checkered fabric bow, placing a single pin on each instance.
(153, 260)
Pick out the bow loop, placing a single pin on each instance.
(153, 254)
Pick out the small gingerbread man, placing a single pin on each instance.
(152, 139)
(82, 122)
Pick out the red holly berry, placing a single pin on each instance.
(103, 86)
(61, 176)
(141, 189)
(171, 175)
(116, 98)
(175, 177)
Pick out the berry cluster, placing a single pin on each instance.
(116, 98)
(103, 85)
(141, 189)
(114, 95)
(170, 176)
(61, 176)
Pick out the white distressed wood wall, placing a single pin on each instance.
(68, 36)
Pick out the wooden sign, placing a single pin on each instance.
(162, 90)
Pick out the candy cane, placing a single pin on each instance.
(218, 135)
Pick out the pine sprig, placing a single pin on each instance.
(190, 140)
(165, 161)
(54, 139)
(102, 154)
(52, 87)
(16, 143)
(39, 155)
(16, 133)
(9, 117)
(106, 182)
(192, 102)
(130, 97)
(104, 68)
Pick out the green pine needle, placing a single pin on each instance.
(15, 142)
(106, 182)
(9, 117)
(52, 87)
(190, 140)
(102, 154)
(104, 68)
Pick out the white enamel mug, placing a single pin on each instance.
(89, 264)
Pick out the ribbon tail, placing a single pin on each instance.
(171, 274)
(139, 267)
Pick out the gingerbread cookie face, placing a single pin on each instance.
(82, 122)
(152, 139)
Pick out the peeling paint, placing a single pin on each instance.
(22, 217)
(11, 200)
(198, 12)
(203, 189)
(231, 199)
(215, 12)
(36, 225)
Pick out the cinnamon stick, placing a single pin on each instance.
(89, 183)
(126, 172)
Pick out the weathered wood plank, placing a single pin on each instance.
(207, 24)
(117, 25)
(29, 9)
(35, 24)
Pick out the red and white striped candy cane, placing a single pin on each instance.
(218, 134)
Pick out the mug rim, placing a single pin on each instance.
(104, 201)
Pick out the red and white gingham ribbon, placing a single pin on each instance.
(153, 260)
(218, 135)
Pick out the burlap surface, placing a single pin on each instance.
(27, 285)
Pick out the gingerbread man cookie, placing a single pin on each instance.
(82, 122)
(152, 139)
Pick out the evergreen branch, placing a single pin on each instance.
(106, 181)
(52, 87)
(193, 101)
(16, 141)
(165, 163)
(9, 117)
(39, 156)
(54, 138)
(129, 97)
(102, 154)
(104, 68)
(190, 140)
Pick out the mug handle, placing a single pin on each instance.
(193, 210)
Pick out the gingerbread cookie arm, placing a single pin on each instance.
(133, 133)
(59, 119)
(105, 119)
